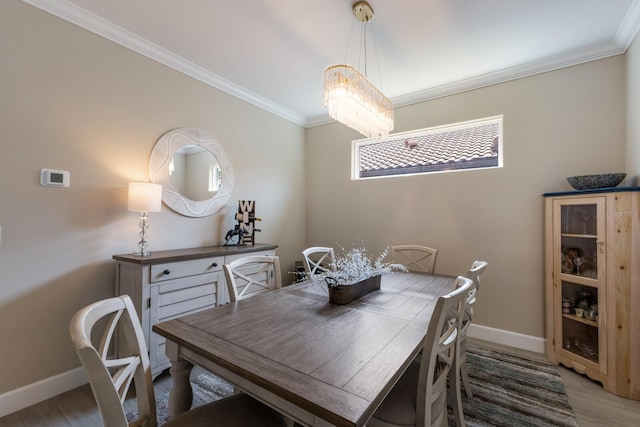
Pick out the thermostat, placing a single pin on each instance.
(54, 178)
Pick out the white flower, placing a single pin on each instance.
(356, 265)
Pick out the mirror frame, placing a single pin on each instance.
(161, 155)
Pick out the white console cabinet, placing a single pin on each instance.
(174, 283)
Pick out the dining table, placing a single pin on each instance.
(318, 363)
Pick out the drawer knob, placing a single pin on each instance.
(215, 264)
(166, 272)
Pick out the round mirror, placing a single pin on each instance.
(194, 171)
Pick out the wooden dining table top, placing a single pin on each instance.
(337, 362)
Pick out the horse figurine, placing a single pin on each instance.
(236, 231)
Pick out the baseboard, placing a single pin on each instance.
(47, 388)
(508, 338)
(31, 394)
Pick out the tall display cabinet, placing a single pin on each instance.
(592, 285)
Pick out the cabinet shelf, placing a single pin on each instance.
(583, 359)
(580, 236)
(582, 280)
(584, 320)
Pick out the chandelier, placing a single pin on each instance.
(351, 99)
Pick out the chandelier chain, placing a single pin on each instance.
(375, 52)
(364, 44)
(346, 52)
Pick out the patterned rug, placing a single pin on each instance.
(206, 388)
(512, 391)
(508, 391)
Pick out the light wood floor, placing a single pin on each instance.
(594, 407)
(76, 408)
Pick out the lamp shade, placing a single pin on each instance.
(145, 197)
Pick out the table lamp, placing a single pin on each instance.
(144, 197)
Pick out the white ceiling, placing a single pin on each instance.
(272, 52)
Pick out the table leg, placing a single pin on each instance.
(181, 394)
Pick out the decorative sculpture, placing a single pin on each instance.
(236, 231)
(245, 228)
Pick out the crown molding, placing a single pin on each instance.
(97, 25)
(576, 57)
(544, 65)
(630, 25)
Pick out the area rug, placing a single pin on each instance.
(512, 391)
(508, 391)
(206, 388)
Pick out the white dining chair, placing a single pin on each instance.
(477, 268)
(318, 259)
(252, 275)
(419, 398)
(111, 376)
(418, 259)
(460, 374)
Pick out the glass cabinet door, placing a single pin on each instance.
(579, 296)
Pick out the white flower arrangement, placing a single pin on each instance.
(356, 265)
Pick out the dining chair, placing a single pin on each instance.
(252, 275)
(418, 259)
(318, 259)
(459, 372)
(111, 376)
(477, 268)
(419, 398)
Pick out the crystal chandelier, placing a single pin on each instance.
(351, 99)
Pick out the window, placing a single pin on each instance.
(215, 177)
(466, 145)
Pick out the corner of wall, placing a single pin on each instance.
(632, 63)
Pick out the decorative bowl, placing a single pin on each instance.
(589, 182)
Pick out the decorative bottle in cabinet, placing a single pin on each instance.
(592, 290)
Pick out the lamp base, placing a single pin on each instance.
(142, 244)
(139, 253)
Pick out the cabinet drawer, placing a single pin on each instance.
(176, 270)
(185, 297)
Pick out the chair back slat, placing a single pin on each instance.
(252, 275)
(418, 259)
(477, 268)
(318, 259)
(438, 354)
(111, 375)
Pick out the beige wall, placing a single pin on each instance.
(74, 101)
(71, 100)
(557, 124)
(633, 112)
